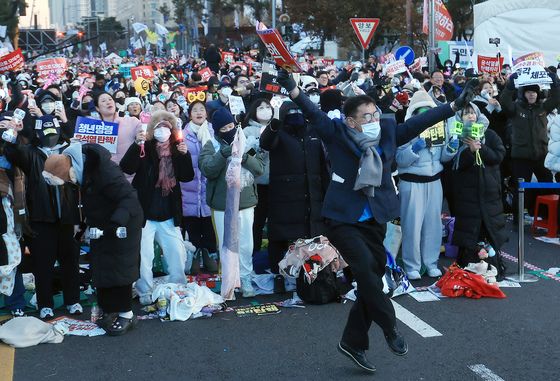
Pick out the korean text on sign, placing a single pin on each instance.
(97, 131)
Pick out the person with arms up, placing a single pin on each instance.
(360, 199)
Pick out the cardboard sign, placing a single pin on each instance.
(142, 71)
(444, 23)
(124, 69)
(206, 74)
(96, 131)
(269, 84)
(394, 68)
(12, 61)
(535, 56)
(260, 310)
(530, 73)
(364, 29)
(277, 48)
(435, 135)
(418, 64)
(227, 57)
(193, 94)
(490, 65)
(51, 67)
(236, 105)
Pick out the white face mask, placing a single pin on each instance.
(162, 134)
(315, 98)
(264, 114)
(371, 129)
(48, 107)
(227, 91)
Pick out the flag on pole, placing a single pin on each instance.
(139, 27)
(161, 30)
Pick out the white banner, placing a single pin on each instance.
(530, 73)
(394, 68)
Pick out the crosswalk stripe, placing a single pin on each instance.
(414, 322)
(483, 372)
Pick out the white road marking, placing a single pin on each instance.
(485, 373)
(414, 322)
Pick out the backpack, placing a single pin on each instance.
(323, 290)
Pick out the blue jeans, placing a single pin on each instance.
(16, 300)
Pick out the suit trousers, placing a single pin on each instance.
(361, 246)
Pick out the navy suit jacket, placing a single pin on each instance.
(342, 203)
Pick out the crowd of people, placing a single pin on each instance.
(340, 154)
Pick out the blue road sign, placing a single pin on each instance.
(405, 53)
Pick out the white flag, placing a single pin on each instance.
(137, 44)
(139, 27)
(161, 30)
(2, 31)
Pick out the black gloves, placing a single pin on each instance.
(510, 84)
(555, 80)
(285, 80)
(467, 95)
(225, 151)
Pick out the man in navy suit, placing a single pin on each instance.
(361, 199)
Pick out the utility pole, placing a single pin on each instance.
(432, 36)
(273, 14)
(409, 38)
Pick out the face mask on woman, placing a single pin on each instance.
(264, 114)
(162, 134)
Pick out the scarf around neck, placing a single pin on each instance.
(166, 179)
(202, 132)
(371, 167)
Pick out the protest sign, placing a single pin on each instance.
(12, 61)
(530, 73)
(142, 71)
(79, 327)
(227, 57)
(259, 310)
(51, 67)
(124, 69)
(269, 84)
(89, 130)
(490, 65)
(277, 48)
(435, 135)
(418, 64)
(444, 23)
(193, 94)
(236, 105)
(394, 68)
(206, 74)
(535, 56)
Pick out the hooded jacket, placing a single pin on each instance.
(552, 159)
(529, 123)
(426, 165)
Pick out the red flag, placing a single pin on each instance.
(444, 23)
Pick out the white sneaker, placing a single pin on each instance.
(247, 289)
(46, 313)
(75, 309)
(434, 273)
(413, 275)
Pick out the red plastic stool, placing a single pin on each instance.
(551, 223)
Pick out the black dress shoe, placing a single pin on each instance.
(358, 356)
(279, 286)
(396, 342)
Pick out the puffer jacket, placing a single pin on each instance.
(552, 159)
(194, 192)
(529, 123)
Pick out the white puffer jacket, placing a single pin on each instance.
(552, 160)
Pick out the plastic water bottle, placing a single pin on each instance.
(95, 312)
(162, 307)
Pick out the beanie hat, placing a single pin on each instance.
(58, 166)
(420, 99)
(331, 100)
(221, 117)
(131, 100)
(534, 88)
(224, 84)
(285, 107)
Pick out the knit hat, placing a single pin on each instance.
(221, 117)
(420, 99)
(57, 169)
(131, 100)
(534, 88)
(224, 84)
(284, 108)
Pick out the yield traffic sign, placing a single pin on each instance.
(364, 29)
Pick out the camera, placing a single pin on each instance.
(494, 40)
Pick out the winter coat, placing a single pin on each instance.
(110, 200)
(194, 192)
(552, 159)
(213, 58)
(478, 195)
(298, 182)
(128, 126)
(253, 134)
(213, 165)
(146, 172)
(46, 203)
(529, 124)
(496, 116)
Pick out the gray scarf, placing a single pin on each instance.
(371, 166)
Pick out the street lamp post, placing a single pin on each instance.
(273, 13)
(432, 37)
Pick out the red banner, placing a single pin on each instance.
(206, 74)
(227, 57)
(490, 65)
(444, 23)
(277, 48)
(51, 67)
(12, 61)
(145, 72)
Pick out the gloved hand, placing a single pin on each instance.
(453, 145)
(419, 145)
(555, 80)
(467, 95)
(285, 80)
(510, 84)
(225, 151)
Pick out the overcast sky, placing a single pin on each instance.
(42, 12)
